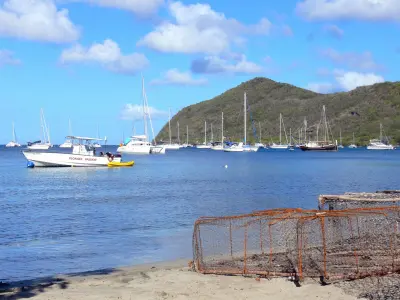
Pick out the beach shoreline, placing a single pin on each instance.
(165, 280)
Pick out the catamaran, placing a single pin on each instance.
(14, 142)
(67, 143)
(280, 145)
(44, 143)
(83, 155)
(380, 144)
(139, 144)
(321, 145)
(204, 145)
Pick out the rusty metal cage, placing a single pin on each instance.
(352, 243)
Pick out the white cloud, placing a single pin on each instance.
(139, 7)
(7, 58)
(108, 55)
(350, 80)
(38, 20)
(320, 87)
(199, 29)
(215, 64)
(360, 61)
(376, 10)
(334, 31)
(135, 112)
(174, 77)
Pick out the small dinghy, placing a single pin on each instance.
(121, 164)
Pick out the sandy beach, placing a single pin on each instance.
(165, 281)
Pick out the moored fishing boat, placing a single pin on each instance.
(83, 155)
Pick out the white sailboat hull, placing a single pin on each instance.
(39, 147)
(352, 146)
(274, 146)
(250, 148)
(380, 147)
(203, 146)
(134, 149)
(13, 145)
(172, 146)
(48, 159)
(157, 150)
(218, 148)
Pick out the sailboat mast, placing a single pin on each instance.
(340, 132)
(353, 139)
(169, 126)
(325, 124)
(179, 139)
(205, 132)
(259, 126)
(144, 111)
(245, 112)
(222, 129)
(280, 129)
(305, 129)
(290, 133)
(187, 135)
(212, 134)
(380, 132)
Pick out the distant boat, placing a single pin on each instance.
(96, 144)
(14, 142)
(204, 145)
(280, 145)
(380, 144)
(187, 145)
(340, 140)
(44, 143)
(321, 145)
(171, 146)
(353, 145)
(220, 145)
(68, 142)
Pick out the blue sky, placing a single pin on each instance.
(83, 59)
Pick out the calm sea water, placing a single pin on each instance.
(62, 220)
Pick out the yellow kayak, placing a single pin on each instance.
(121, 164)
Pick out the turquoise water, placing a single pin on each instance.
(63, 220)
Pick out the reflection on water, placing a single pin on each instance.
(58, 220)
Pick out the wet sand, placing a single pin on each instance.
(165, 281)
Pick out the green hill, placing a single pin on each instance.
(267, 98)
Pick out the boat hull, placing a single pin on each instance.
(133, 149)
(157, 150)
(279, 147)
(386, 147)
(39, 147)
(12, 145)
(48, 159)
(203, 147)
(172, 147)
(319, 148)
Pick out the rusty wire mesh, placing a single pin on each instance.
(351, 243)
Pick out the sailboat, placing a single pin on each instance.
(187, 145)
(171, 146)
(44, 143)
(96, 144)
(242, 146)
(14, 142)
(353, 145)
(326, 144)
(204, 145)
(68, 142)
(259, 144)
(220, 145)
(380, 144)
(280, 145)
(340, 139)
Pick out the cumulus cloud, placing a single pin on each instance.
(174, 77)
(360, 61)
(321, 87)
(108, 55)
(199, 29)
(215, 64)
(38, 20)
(135, 112)
(7, 58)
(350, 80)
(375, 10)
(139, 7)
(334, 31)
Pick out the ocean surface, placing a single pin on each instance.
(65, 220)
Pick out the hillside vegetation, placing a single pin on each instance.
(359, 111)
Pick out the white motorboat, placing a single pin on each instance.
(234, 148)
(14, 142)
(67, 143)
(376, 144)
(136, 145)
(83, 155)
(44, 143)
